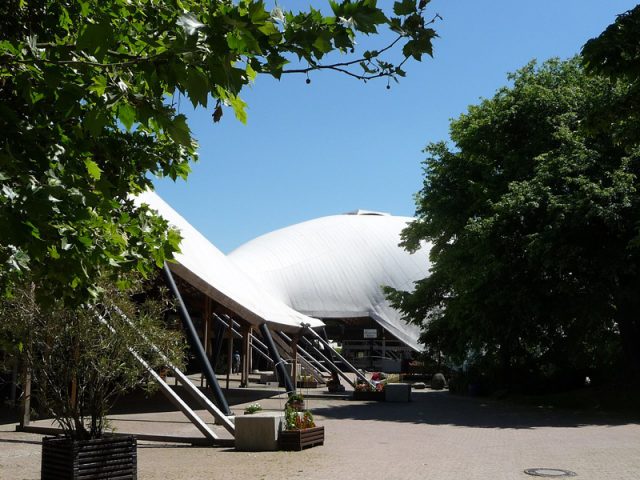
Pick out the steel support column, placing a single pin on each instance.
(323, 332)
(275, 356)
(330, 363)
(342, 359)
(194, 342)
(246, 353)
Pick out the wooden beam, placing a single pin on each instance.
(246, 354)
(25, 405)
(294, 357)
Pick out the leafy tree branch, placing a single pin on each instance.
(87, 115)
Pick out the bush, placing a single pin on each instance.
(78, 364)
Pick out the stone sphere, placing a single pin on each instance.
(438, 382)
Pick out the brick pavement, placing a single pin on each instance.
(437, 436)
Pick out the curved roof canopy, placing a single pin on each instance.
(209, 270)
(335, 267)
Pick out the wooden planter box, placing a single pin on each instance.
(375, 396)
(299, 439)
(102, 458)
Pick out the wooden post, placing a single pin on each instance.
(250, 357)
(294, 356)
(25, 414)
(229, 350)
(246, 354)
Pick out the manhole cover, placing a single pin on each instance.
(550, 472)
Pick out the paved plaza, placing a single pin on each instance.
(436, 436)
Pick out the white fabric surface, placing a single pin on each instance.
(335, 267)
(208, 269)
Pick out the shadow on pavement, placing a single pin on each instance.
(141, 402)
(30, 442)
(442, 408)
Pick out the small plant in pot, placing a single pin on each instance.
(366, 391)
(80, 361)
(300, 429)
(295, 402)
(253, 408)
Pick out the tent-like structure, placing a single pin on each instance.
(206, 268)
(334, 267)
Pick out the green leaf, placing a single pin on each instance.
(257, 13)
(96, 38)
(251, 73)
(92, 169)
(179, 130)
(95, 120)
(127, 115)
(239, 108)
(405, 7)
(86, 241)
(35, 231)
(235, 41)
(98, 85)
(20, 260)
(269, 29)
(53, 252)
(197, 87)
(322, 44)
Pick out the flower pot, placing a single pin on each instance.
(97, 459)
(297, 405)
(368, 395)
(299, 439)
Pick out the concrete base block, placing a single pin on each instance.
(258, 432)
(232, 419)
(267, 377)
(397, 392)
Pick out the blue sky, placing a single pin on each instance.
(337, 144)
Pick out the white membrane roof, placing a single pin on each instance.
(335, 267)
(208, 269)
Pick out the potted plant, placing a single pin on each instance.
(253, 408)
(364, 391)
(79, 366)
(300, 429)
(295, 402)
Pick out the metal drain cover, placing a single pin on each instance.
(550, 472)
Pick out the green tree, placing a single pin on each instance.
(616, 54)
(87, 112)
(534, 224)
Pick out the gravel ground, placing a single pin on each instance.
(436, 436)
